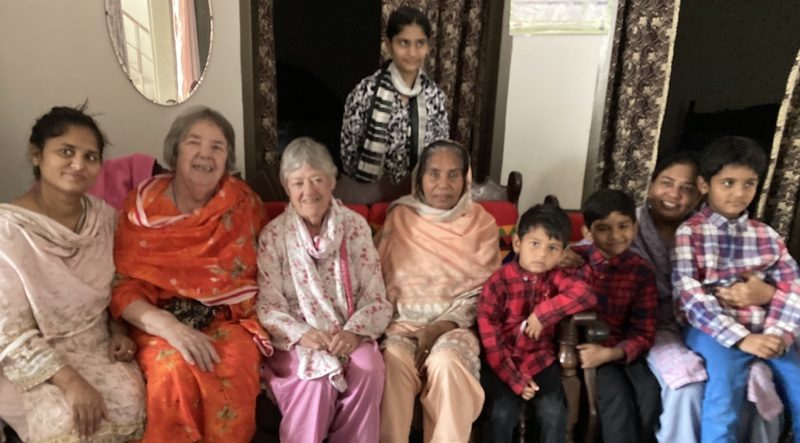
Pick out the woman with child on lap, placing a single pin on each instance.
(720, 256)
(672, 198)
(67, 373)
(437, 248)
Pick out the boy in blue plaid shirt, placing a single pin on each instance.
(721, 258)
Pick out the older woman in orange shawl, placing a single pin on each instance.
(437, 248)
(185, 251)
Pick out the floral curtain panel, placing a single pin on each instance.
(778, 202)
(266, 99)
(641, 61)
(453, 60)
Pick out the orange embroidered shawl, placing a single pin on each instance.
(208, 255)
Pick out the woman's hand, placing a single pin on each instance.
(752, 292)
(121, 347)
(344, 343)
(316, 340)
(88, 408)
(196, 347)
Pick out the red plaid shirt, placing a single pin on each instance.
(627, 298)
(508, 298)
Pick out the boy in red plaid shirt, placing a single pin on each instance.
(518, 311)
(628, 395)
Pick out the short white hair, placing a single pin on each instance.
(306, 151)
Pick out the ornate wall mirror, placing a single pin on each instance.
(163, 46)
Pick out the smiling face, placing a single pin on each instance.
(731, 190)
(673, 194)
(408, 49)
(202, 154)
(443, 179)
(310, 193)
(537, 251)
(613, 235)
(70, 162)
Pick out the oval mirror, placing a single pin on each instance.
(163, 46)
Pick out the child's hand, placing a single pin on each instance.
(764, 346)
(570, 259)
(534, 327)
(530, 391)
(593, 355)
(752, 292)
(121, 348)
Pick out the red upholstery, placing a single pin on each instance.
(504, 213)
(377, 215)
(274, 209)
(576, 219)
(361, 209)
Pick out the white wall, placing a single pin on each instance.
(59, 53)
(548, 110)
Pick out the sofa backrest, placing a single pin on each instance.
(504, 213)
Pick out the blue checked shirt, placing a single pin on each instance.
(711, 252)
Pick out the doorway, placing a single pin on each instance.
(730, 66)
(323, 49)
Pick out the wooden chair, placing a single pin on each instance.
(593, 330)
(583, 327)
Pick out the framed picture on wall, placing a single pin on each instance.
(530, 17)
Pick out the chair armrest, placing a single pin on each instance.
(569, 333)
(595, 330)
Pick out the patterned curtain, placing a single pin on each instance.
(266, 100)
(453, 61)
(641, 61)
(778, 203)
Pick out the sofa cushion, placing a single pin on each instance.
(504, 213)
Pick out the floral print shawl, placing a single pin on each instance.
(330, 282)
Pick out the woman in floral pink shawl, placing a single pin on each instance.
(323, 301)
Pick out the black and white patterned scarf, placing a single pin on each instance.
(372, 151)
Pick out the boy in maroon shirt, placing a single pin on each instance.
(628, 395)
(518, 311)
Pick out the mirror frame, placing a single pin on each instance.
(116, 30)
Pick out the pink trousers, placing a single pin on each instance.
(314, 410)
